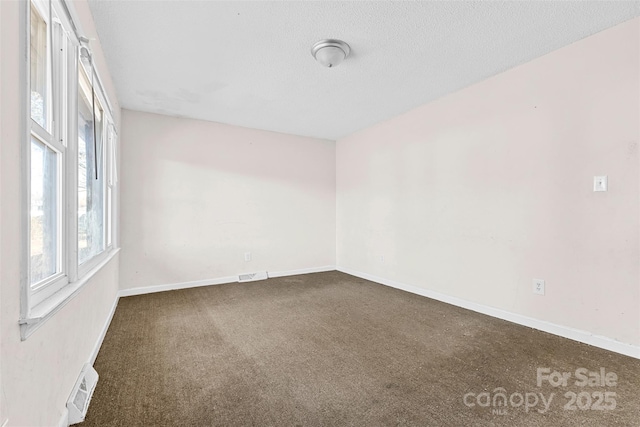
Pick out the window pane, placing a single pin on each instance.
(109, 219)
(90, 189)
(44, 230)
(39, 74)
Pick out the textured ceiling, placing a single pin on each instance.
(249, 63)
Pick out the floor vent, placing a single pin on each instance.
(251, 277)
(78, 402)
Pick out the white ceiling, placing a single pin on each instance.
(249, 63)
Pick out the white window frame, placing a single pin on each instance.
(51, 139)
(44, 299)
(92, 262)
(112, 179)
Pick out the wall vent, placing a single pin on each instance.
(78, 402)
(252, 277)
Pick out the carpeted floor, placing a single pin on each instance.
(329, 349)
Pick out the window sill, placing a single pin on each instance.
(39, 314)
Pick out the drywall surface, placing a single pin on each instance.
(196, 196)
(481, 191)
(39, 373)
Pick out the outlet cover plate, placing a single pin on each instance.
(600, 183)
(538, 286)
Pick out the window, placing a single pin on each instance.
(39, 53)
(70, 164)
(44, 212)
(46, 257)
(91, 171)
(111, 183)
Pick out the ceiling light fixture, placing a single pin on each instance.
(330, 52)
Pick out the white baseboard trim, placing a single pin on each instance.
(174, 286)
(219, 281)
(64, 418)
(301, 271)
(541, 325)
(105, 327)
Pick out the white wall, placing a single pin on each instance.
(477, 193)
(197, 195)
(38, 374)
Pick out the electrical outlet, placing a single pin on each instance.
(382, 259)
(247, 256)
(600, 183)
(538, 286)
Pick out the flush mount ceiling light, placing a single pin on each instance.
(330, 52)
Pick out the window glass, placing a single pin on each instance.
(43, 212)
(109, 216)
(91, 179)
(39, 73)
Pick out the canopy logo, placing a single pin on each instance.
(499, 401)
(596, 400)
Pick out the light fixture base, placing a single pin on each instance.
(333, 45)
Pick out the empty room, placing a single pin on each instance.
(319, 213)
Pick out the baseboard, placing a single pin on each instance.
(541, 325)
(103, 333)
(301, 271)
(174, 286)
(218, 281)
(64, 418)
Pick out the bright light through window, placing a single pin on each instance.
(39, 72)
(43, 221)
(91, 185)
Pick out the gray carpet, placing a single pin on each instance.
(329, 349)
